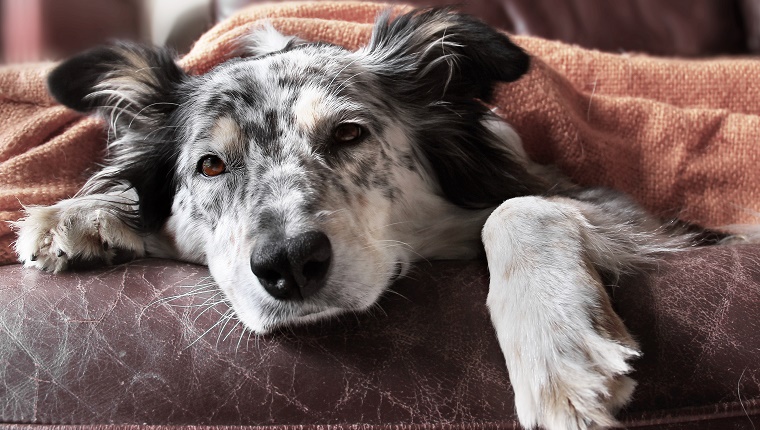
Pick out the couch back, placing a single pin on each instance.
(686, 28)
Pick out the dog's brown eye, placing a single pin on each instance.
(211, 165)
(347, 132)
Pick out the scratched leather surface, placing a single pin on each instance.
(105, 346)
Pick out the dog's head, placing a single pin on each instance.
(308, 176)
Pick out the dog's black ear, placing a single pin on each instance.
(124, 78)
(438, 54)
(137, 89)
(441, 66)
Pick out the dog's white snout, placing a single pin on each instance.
(292, 268)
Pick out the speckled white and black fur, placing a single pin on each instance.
(433, 168)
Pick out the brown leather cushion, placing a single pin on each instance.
(675, 27)
(105, 346)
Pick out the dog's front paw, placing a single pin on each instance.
(49, 237)
(579, 383)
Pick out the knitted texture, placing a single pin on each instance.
(680, 136)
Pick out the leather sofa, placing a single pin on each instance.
(134, 344)
(147, 342)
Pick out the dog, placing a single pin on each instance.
(309, 178)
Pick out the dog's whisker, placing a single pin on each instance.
(240, 339)
(379, 307)
(209, 303)
(390, 225)
(213, 306)
(411, 278)
(407, 246)
(231, 330)
(217, 293)
(191, 293)
(216, 324)
(198, 305)
(226, 316)
(168, 300)
(394, 292)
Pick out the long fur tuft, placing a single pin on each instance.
(137, 89)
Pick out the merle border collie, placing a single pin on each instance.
(309, 177)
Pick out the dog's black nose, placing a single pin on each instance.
(293, 268)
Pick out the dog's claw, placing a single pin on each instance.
(60, 253)
(34, 257)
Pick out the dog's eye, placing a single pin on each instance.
(347, 132)
(211, 165)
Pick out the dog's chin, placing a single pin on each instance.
(310, 317)
(303, 318)
(303, 315)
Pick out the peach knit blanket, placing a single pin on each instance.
(680, 136)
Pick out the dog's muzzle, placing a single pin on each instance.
(294, 268)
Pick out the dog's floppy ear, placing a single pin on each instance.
(138, 89)
(439, 54)
(442, 66)
(123, 78)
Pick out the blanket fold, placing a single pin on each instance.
(680, 136)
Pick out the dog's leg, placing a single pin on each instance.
(566, 350)
(88, 227)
